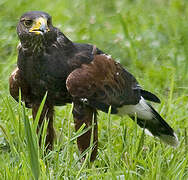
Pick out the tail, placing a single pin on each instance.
(149, 119)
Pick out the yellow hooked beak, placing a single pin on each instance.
(40, 26)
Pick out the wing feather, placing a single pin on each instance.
(104, 83)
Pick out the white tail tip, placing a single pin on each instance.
(171, 140)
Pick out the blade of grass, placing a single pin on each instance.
(141, 142)
(171, 92)
(36, 120)
(127, 36)
(68, 159)
(109, 147)
(43, 144)
(32, 148)
(92, 144)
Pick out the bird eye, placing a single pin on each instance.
(28, 23)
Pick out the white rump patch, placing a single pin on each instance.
(148, 132)
(142, 110)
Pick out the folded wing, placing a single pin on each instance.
(104, 83)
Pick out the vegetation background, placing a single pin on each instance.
(150, 38)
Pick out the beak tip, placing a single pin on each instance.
(40, 27)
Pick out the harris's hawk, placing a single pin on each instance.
(80, 73)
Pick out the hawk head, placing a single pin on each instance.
(35, 28)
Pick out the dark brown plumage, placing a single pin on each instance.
(80, 73)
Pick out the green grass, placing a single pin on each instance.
(150, 38)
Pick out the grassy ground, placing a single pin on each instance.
(151, 39)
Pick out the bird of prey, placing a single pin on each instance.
(80, 74)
